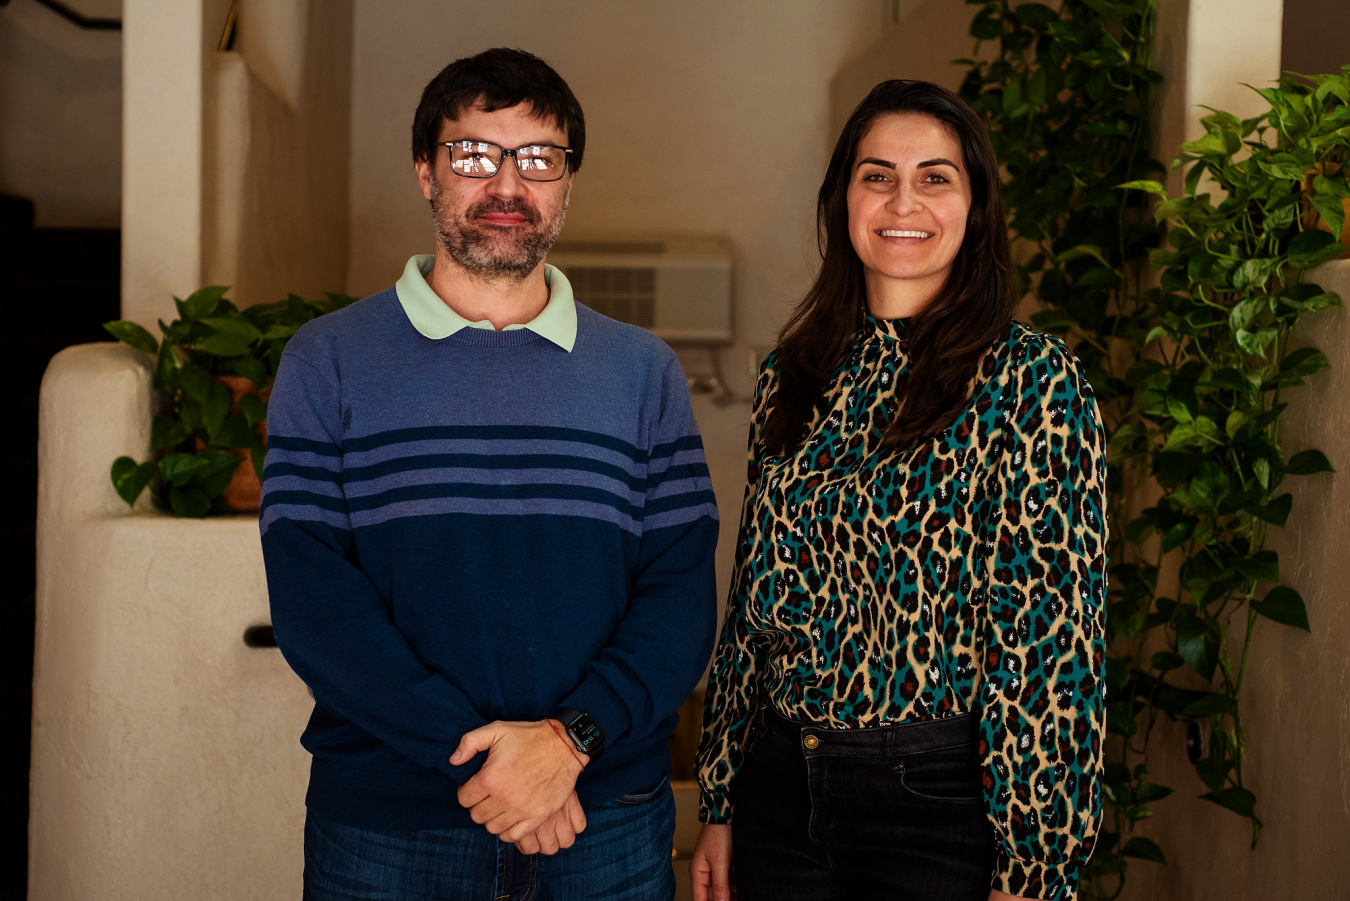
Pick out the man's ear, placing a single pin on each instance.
(424, 176)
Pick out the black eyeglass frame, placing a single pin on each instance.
(449, 145)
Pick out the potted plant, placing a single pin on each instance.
(216, 362)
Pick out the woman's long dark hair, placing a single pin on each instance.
(946, 338)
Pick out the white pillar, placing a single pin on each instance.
(162, 90)
(1206, 50)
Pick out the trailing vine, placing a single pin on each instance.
(1189, 375)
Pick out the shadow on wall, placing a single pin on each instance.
(276, 152)
(920, 44)
(1316, 36)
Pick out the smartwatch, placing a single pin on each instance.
(584, 732)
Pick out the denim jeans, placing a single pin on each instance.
(623, 855)
(893, 812)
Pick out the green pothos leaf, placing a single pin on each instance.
(1255, 343)
(1238, 800)
(1310, 248)
(130, 479)
(1284, 605)
(1308, 462)
(132, 334)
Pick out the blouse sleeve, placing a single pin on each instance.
(1042, 703)
(729, 706)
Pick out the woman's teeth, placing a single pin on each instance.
(897, 233)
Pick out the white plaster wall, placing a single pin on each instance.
(61, 114)
(165, 759)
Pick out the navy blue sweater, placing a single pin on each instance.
(477, 528)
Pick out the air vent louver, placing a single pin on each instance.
(625, 293)
(677, 288)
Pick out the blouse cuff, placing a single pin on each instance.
(1034, 879)
(714, 808)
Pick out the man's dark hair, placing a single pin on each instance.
(495, 79)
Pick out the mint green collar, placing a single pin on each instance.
(434, 319)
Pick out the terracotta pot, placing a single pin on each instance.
(1312, 218)
(244, 493)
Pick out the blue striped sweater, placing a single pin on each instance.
(477, 528)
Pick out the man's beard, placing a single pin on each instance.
(495, 252)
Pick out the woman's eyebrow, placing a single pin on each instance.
(926, 164)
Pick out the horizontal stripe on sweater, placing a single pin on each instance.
(494, 432)
(354, 475)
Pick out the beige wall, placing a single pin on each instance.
(61, 114)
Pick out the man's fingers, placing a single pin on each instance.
(575, 815)
(562, 829)
(528, 845)
(548, 838)
(490, 807)
(480, 739)
(498, 825)
(473, 792)
(521, 828)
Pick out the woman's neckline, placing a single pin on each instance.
(893, 329)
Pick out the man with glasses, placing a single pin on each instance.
(489, 531)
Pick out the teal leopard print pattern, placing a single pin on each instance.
(965, 574)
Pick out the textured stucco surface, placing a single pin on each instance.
(166, 763)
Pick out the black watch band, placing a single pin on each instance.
(585, 733)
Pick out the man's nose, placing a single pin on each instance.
(507, 182)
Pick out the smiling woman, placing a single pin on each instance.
(887, 172)
(907, 207)
(907, 696)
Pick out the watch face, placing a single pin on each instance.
(586, 732)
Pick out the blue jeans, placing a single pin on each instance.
(623, 855)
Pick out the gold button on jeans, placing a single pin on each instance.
(811, 742)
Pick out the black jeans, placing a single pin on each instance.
(894, 812)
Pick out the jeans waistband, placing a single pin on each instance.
(894, 740)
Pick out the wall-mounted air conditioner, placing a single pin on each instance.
(679, 289)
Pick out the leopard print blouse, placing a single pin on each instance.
(965, 574)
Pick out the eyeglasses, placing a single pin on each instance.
(534, 162)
